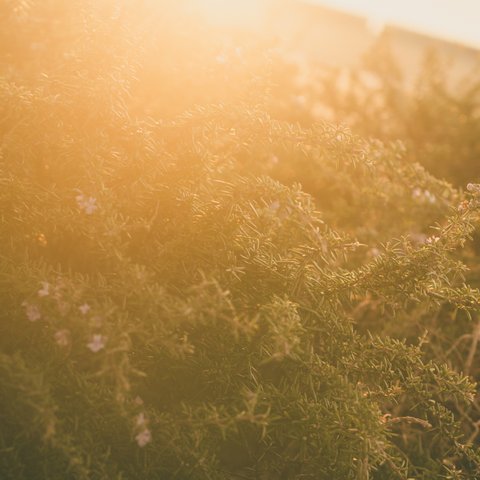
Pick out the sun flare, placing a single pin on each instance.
(228, 13)
(454, 20)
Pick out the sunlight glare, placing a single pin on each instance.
(455, 20)
(228, 13)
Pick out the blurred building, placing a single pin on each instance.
(410, 48)
(336, 38)
(319, 33)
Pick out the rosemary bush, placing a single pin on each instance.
(437, 117)
(180, 292)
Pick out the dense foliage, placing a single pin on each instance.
(193, 288)
(436, 116)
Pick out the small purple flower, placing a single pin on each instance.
(144, 437)
(32, 311)
(88, 205)
(97, 343)
(84, 309)
(45, 290)
(62, 337)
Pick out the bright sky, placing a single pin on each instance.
(457, 20)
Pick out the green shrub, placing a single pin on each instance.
(437, 117)
(175, 304)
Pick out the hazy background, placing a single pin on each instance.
(456, 20)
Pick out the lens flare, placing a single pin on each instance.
(231, 13)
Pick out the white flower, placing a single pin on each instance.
(88, 205)
(138, 400)
(32, 311)
(97, 343)
(473, 187)
(45, 290)
(463, 207)
(432, 239)
(423, 195)
(416, 193)
(143, 437)
(62, 337)
(80, 200)
(431, 198)
(84, 308)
